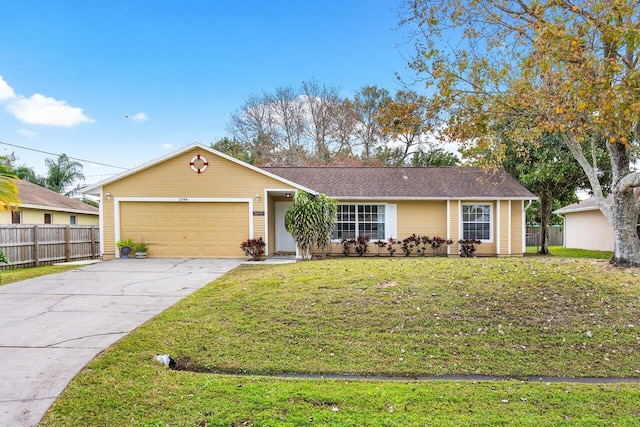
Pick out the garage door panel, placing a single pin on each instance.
(206, 230)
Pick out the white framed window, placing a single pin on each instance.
(360, 220)
(477, 221)
(73, 220)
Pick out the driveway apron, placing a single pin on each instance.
(52, 326)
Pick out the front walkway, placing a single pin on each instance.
(52, 326)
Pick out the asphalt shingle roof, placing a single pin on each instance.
(405, 182)
(33, 195)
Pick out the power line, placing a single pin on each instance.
(58, 155)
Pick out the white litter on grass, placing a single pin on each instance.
(167, 360)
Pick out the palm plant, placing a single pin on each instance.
(62, 173)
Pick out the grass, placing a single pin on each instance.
(10, 276)
(406, 317)
(561, 251)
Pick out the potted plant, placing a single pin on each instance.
(125, 245)
(141, 249)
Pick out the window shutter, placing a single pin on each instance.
(391, 221)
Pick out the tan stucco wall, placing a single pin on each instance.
(174, 178)
(36, 216)
(588, 230)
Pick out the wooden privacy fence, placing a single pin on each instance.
(34, 245)
(556, 236)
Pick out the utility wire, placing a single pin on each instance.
(58, 155)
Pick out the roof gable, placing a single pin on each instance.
(96, 188)
(36, 197)
(407, 182)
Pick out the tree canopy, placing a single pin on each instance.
(563, 67)
(62, 173)
(315, 125)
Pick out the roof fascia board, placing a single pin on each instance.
(572, 210)
(390, 199)
(57, 209)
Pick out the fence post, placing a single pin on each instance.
(67, 238)
(93, 241)
(36, 247)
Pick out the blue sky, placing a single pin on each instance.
(73, 70)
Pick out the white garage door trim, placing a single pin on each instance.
(118, 200)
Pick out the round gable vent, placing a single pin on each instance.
(199, 164)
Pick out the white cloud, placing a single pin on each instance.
(167, 146)
(27, 133)
(140, 117)
(6, 91)
(40, 109)
(43, 110)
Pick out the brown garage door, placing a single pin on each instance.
(191, 230)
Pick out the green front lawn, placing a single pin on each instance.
(10, 276)
(404, 317)
(561, 251)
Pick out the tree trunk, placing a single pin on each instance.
(624, 210)
(546, 206)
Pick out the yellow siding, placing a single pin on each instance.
(454, 225)
(504, 228)
(422, 218)
(175, 178)
(516, 227)
(36, 216)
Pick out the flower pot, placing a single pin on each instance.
(124, 252)
(141, 255)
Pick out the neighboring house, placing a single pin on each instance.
(586, 227)
(41, 206)
(198, 202)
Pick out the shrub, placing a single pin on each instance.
(409, 244)
(468, 247)
(346, 245)
(380, 245)
(362, 245)
(390, 246)
(437, 242)
(253, 248)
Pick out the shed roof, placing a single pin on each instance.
(36, 197)
(406, 182)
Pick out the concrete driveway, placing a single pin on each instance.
(52, 326)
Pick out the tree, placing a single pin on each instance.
(434, 157)
(62, 173)
(406, 121)
(549, 171)
(366, 105)
(8, 192)
(560, 67)
(310, 220)
(322, 104)
(8, 165)
(235, 149)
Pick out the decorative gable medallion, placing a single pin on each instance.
(199, 164)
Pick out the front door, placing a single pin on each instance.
(284, 240)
